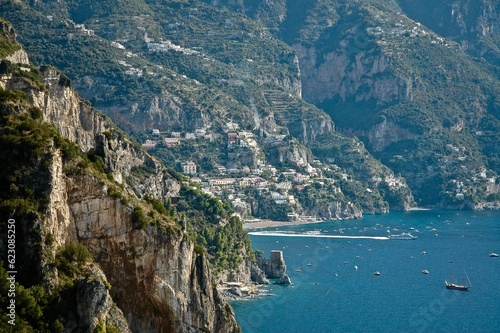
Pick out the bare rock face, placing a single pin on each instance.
(339, 76)
(158, 281)
(285, 279)
(336, 210)
(258, 275)
(18, 56)
(386, 132)
(95, 306)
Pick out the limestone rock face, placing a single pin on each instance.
(19, 57)
(258, 275)
(386, 132)
(158, 281)
(95, 305)
(338, 76)
(81, 124)
(336, 210)
(62, 107)
(285, 279)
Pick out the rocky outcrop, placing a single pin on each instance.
(334, 210)
(80, 123)
(258, 275)
(285, 279)
(95, 307)
(288, 154)
(62, 107)
(274, 267)
(18, 57)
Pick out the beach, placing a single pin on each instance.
(258, 224)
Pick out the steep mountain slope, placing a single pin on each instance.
(182, 66)
(422, 96)
(72, 192)
(421, 104)
(474, 25)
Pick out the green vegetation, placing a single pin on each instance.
(213, 228)
(45, 309)
(70, 261)
(7, 43)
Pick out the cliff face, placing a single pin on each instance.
(157, 279)
(387, 132)
(338, 75)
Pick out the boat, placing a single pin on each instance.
(309, 264)
(404, 235)
(425, 271)
(298, 270)
(456, 286)
(377, 273)
(493, 254)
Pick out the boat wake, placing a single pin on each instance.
(283, 234)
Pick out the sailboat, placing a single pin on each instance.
(456, 286)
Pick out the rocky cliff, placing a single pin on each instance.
(157, 279)
(474, 25)
(365, 77)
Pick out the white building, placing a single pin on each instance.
(189, 168)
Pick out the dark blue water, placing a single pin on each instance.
(333, 296)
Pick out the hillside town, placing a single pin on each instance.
(241, 184)
(250, 186)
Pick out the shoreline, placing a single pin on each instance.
(271, 223)
(259, 224)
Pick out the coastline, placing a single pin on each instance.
(259, 224)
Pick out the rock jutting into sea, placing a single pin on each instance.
(274, 267)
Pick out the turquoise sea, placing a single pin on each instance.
(338, 292)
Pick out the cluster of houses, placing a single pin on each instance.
(233, 182)
(165, 46)
(175, 139)
(277, 186)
